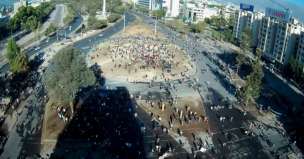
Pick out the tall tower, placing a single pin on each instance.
(104, 8)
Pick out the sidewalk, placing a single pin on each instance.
(29, 40)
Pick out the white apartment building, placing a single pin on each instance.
(173, 7)
(151, 4)
(19, 4)
(246, 19)
(300, 49)
(279, 40)
(190, 11)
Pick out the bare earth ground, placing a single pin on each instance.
(103, 58)
(199, 129)
(138, 27)
(53, 125)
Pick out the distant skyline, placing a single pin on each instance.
(298, 2)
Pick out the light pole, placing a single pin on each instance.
(124, 22)
(155, 26)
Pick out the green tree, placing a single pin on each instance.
(253, 82)
(185, 29)
(231, 20)
(38, 30)
(12, 51)
(83, 9)
(240, 58)
(159, 13)
(119, 9)
(293, 64)
(228, 36)
(245, 42)
(199, 27)
(99, 24)
(259, 53)
(93, 13)
(215, 35)
(50, 30)
(21, 64)
(69, 18)
(71, 73)
(248, 32)
(177, 24)
(32, 23)
(113, 18)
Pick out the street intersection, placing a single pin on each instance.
(239, 145)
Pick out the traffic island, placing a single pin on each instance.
(142, 60)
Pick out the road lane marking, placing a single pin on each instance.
(230, 129)
(145, 124)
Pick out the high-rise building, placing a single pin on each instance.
(279, 40)
(151, 4)
(193, 13)
(300, 50)
(19, 4)
(246, 19)
(172, 6)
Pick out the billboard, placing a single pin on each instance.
(281, 15)
(246, 7)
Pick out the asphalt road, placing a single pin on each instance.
(53, 39)
(212, 94)
(243, 148)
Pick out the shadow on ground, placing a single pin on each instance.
(101, 127)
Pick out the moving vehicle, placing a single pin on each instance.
(36, 48)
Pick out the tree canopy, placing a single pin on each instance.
(69, 18)
(159, 13)
(12, 50)
(93, 23)
(50, 30)
(21, 64)
(119, 9)
(199, 27)
(253, 82)
(18, 62)
(113, 18)
(71, 73)
(30, 16)
(217, 22)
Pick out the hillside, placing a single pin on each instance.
(260, 5)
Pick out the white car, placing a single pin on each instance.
(37, 48)
(100, 35)
(47, 40)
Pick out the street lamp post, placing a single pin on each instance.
(155, 26)
(124, 22)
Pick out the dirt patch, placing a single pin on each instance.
(138, 27)
(53, 126)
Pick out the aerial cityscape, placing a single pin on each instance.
(147, 79)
